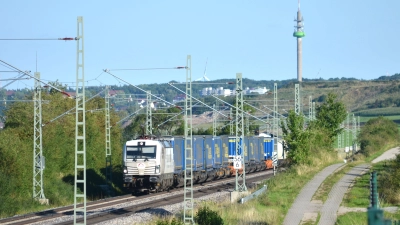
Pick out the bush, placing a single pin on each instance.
(206, 216)
(389, 181)
(174, 221)
(377, 133)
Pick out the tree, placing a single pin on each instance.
(330, 115)
(296, 138)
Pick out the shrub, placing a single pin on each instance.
(376, 134)
(389, 181)
(206, 216)
(174, 221)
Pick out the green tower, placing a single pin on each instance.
(299, 34)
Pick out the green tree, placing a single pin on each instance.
(296, 138)
(330, 115)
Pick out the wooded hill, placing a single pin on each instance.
(16, 139)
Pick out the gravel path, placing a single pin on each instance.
(331, 206)
(390, 154)
(303, 200)
(303, 207)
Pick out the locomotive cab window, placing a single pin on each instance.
(140, 152)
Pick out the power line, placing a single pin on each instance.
(160, 68)
(40, 39)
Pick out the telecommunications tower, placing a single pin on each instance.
(299, 34)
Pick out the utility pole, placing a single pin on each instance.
(310, 109)
(38, 158)
(188, 210)
(240, 181)
(80, 128)
(108, 140)
(347, 131)
(247, 127)
(149, 126)
(354, 131)
(297, 99)
(276, 128)
(214, 121)
(313, 107)
(230, 122)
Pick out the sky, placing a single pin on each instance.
(357, 38)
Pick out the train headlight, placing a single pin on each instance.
(125, 170)
(157, 170)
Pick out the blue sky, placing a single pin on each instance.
(357, 38)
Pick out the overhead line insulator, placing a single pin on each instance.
(68, 39)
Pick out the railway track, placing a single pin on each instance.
(108, 209)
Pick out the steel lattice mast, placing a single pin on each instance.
(297, 99)
(339, 137)
(230, 122)
(310, 109)
(149, 123)
(348, 130)
(240, 181)
(276, 121)
(313, 109)
(108, 138)
(188, 210)
(247, 125)
(214, 122)
(354, 130)
(80, 127)
(38, 159)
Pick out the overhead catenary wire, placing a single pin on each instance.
(40, 39)
(123, 119)
(177, 114)
(244, 112)
(118, 78)
(67, 112)
(159, 68)
(14, 79)
(39, 80)
(198, 100)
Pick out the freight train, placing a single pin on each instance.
(153, 164)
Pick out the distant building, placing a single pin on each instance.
(229, 92)
(179, 98)
(260, 91)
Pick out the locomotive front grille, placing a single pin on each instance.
(148, 170)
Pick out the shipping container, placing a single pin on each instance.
(198, 159)
(178, 144)
(208, 152)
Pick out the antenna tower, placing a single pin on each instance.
(299, 34)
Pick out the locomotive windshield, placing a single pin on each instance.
(140, 152)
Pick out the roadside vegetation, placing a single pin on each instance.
(378, 135)
(16, 154)
(310, 150)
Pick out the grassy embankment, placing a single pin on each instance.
(272, 206)
(358, 197)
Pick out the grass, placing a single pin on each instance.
(282, 191)
(358, 196)
(271, 207)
